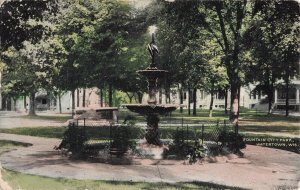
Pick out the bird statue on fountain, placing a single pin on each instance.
(153, 50)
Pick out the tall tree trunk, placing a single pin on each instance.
(195, 101)
(168, 94)
(25, 103)
(4, 103)
(287, 96)
(211, 103)
(181, 99)
(78, 100)
(101, 97)
(83, 98)
(73, 103)
(226, 101)
(59, 102)
(8, 104)
(110, 95)
(140, 97)
(189, 101)
(15, 104)
(270, 98)
(233, 102)
(160, 96)
(32, 104)
(239, 102)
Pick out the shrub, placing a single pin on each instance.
(121, 140)
(73, 140)
(182, 148)
(234, 142)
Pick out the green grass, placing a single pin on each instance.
(31, 182)
(52, 118)
(202, 115)
(264, 117)
(50, 132)
(272, 128)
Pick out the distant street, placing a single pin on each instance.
(15, 120)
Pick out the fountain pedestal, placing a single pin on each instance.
(152, 134)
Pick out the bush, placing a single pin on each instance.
(232, 141)
(120, 138)
(73, 140)
(182, 148)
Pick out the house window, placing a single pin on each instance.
(282, 93)
(44, 101)
(202, 94)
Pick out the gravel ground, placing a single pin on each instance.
(260, 168)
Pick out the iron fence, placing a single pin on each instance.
(205, 132)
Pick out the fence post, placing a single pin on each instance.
(84, 129)
(187, 133)
(202, 133)
(110, 135)
(236, 135)
(236, 130)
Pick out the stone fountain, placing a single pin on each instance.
(152, 110)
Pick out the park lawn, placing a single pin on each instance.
(31, 182)
(46, 117)
(49, 132)
(273, 128)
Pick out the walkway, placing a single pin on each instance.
(262, 168)
(15, 120)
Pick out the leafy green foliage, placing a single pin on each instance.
(121, 138)
(234, 142)
(73, 140)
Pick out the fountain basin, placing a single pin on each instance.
(146, 109)
(153, 73)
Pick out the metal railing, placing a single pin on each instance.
(207, 133)
(282, 101)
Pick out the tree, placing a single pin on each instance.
(179, 31)
(273, 46)
(32, 67)
(215, 77)
(14, 14)
(95, 37)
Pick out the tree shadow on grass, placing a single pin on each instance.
(181, 185)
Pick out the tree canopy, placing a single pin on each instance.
(210, 45)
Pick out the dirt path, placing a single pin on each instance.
(261, 168)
